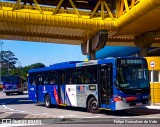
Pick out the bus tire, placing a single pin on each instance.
(47, 101)
(20, 93)
(93, 105)
(7, 94)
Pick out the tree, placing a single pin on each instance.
(36, 65)
(24, 70)
(8, 61)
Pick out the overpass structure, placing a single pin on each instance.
(89, 23)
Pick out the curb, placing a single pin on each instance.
(153, 107)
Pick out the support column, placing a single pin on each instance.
(92, 56)
(94, 44)
(143, 52)
(159, 76)
(144, 41)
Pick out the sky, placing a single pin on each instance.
(47, 53)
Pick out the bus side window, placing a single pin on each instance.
(32, 78)
(62, 77)
(53, 77)
(46, 81)
(78, 76)
(34, 82)
(39, 79)
(71, 76)
(90, 74)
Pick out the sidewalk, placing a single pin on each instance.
(154, 106)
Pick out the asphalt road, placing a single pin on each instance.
(20, 107)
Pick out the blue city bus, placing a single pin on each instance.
(12, 84)
(109, 84)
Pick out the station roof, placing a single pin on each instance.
(66, 27)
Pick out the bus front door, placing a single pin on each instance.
(105, 84)
(32, 89)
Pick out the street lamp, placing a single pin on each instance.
(0, 60)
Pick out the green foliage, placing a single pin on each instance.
(24, 70)
(9, 60)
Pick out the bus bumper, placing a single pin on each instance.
(11, 91)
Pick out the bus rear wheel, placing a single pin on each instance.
(20, 93)
(47, 101)
(93, 105)
(7, 94)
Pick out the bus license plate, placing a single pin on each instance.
(138, 104)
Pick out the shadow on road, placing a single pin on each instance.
(23, 99)
(122, 113)
(132, 112)
(64, 107)
(16, 101)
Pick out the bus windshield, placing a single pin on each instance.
(132, 77)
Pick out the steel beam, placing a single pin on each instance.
(44, 35)
(16, 5)
(108, 10)
(58, 6)
(126, 5)
(37, 6)
(95, 9)
(75, 9)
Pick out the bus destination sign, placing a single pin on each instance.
(129, 61)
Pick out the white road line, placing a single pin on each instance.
(93, 117)
(4, 106)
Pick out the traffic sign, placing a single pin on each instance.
(152, 64)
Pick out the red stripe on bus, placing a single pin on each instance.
(117, 99)
(56, 95)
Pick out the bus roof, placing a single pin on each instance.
(72, 64)
(69, 64)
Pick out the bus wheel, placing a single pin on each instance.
(47, 101)
(20, 93)
(93, 105)
(7, 94)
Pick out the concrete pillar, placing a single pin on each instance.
(92, 56)
(144, 41)
(96, 43)
(143, 52)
